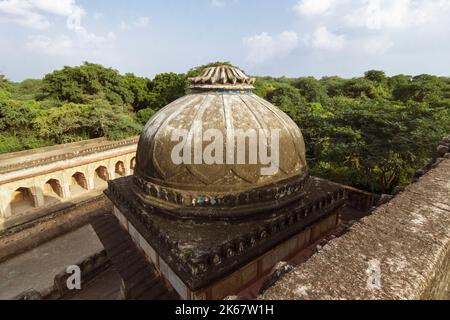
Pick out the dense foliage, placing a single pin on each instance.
(371, 132)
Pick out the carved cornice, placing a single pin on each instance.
(183, 204)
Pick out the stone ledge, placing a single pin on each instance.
(409, 236)
(37, 157)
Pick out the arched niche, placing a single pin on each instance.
(53, 191)
(22, 200)
(120, 169)
(78, 184)
(101, 176)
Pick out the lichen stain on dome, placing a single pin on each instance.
(223, 112)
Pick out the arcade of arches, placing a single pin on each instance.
(23, 196)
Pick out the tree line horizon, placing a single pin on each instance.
(371, 132)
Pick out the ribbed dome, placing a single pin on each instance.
(229, 189)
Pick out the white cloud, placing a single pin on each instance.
(324, 39)
(384, 14)
(20, 12)
(221, 3)
(34, 13)
(314, 7)
(124, 26)
(59, 7)
(64, 45)
(141, 22)
(99, 16)
(368, 26)
(377, 45)
(37, 14)
(61, 45)
(265, 47)
(217, 3)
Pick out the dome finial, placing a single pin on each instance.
(223, 77)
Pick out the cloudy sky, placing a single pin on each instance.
(264, 37)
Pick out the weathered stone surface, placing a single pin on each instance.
(410, 238)
(280, 269)
(37, 268)
(442, 150)
(222, 77)
(27, 236)
(29, 295)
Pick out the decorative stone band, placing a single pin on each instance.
(183, 204)
(201, 269)
(238, 88)
(69, 155)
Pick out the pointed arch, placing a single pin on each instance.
(120, 169)
(22, 200)
(101, 176)
(78, 184)
(52, 191)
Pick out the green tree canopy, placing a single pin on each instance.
(165, 88)
(375, 76)
(5, 84)
(311, 89)
(29, 89)
(371, 132)
(285, 96)
(379, 142)
(87, 82)
(140, 88)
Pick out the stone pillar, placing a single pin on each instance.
(5, 207)
(112, 170)
(66, 186)
(127, 164)
(5, 211)
(38, 197)
(128, 170)
(89, 175)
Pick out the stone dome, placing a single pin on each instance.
(219, 119)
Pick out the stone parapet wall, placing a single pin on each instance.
(360, 199)
(33, 181)
(400, 251)
(442, 152)
(102, 146)
(90, 268)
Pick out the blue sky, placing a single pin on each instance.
(264, 37)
